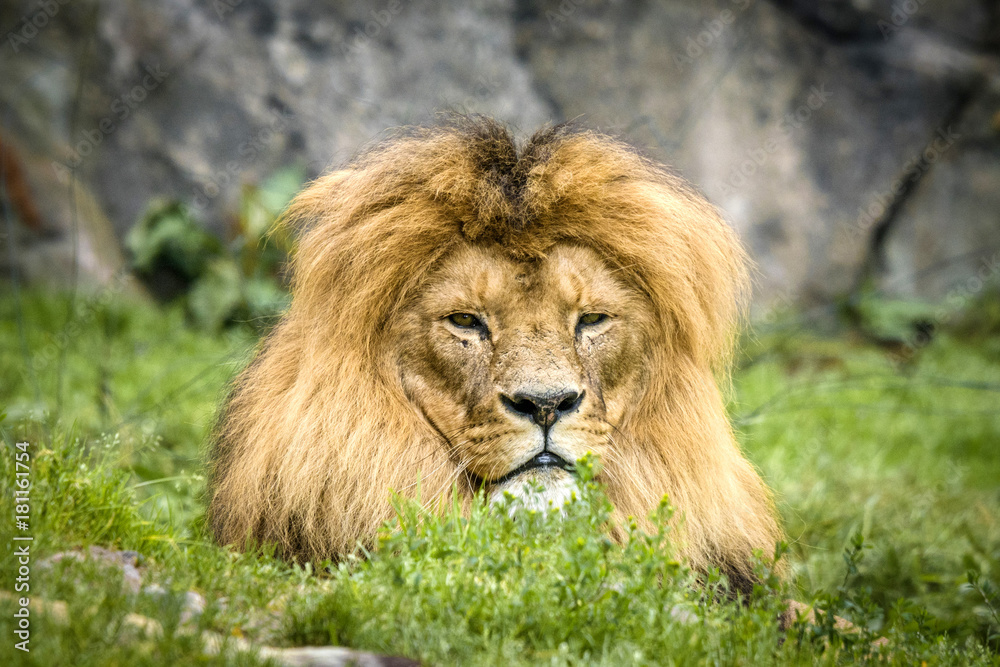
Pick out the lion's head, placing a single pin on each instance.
(524, 366)
(466, 312)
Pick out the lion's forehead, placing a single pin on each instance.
(483, 279)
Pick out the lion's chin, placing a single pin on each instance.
(537, 489)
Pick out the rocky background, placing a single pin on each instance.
(852, 143)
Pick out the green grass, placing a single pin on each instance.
(907, 456)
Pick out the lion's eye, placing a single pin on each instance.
(592, 318)
(465, 320)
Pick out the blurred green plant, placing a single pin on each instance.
(219, 283)
(970, 310)
(980, 320)
(507, 585)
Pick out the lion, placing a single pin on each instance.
(470, 313)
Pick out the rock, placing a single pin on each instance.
(793, 117)
(193, 607)
(57, 611)
(804, 121)
(945, 242)
(332, 656)
(191, 100)
(290, 82)
(127, 561)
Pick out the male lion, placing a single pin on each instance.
(467, 312)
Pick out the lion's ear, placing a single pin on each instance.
(313, 202)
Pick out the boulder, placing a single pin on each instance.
(850, 143)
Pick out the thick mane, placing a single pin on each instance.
(318, 429)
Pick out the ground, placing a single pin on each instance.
(883, 457)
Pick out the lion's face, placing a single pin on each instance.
(523, 367)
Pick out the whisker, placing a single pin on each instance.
(424, 475)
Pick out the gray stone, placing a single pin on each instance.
(804, 121)
(332, 656)
(945, 243)
(127, 561)
(792, 117)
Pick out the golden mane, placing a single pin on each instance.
(317, 429)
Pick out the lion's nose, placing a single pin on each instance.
(543, 409)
